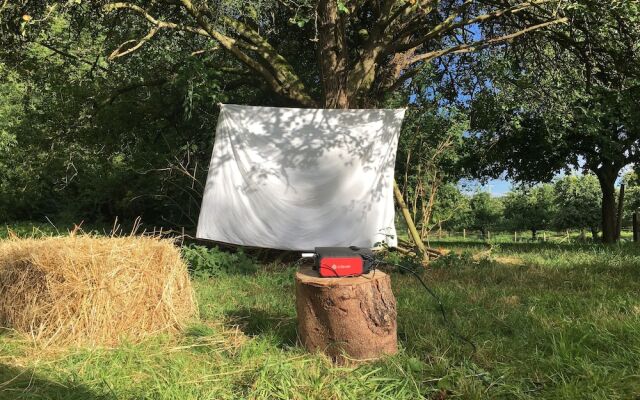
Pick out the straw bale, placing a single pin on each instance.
(93, 291)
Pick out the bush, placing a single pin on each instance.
(204, 262)
(394, 259)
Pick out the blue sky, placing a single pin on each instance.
(497, 187)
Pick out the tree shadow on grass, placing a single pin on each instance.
(19, 383)
(254, 321)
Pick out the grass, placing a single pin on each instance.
(551, 321)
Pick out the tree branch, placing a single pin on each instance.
(69, 55)
(282, 80)
(155, 22)
(119, 53)
(448, 24)
(157, 25)
(290, 89)
(481, 44)
(131, 87)
(411, 27)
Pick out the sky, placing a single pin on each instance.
(497, 187)
(500, 187)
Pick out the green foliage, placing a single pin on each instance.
(429, 153)
(486, 211)
(569, 100)
(398, 261)
(342, 7)
(213, 262)
(579, 203)
(451, 208)
(551, 105)
(632, 194)
(530, 208)
(86, 139)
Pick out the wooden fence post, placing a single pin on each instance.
(636, 226)
(464, 233)
(515, 236)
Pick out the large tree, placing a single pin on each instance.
(309, 53)
(363, 49)
(571, 101)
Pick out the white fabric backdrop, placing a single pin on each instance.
(291, 178)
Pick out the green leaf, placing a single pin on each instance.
(342, 7)
(415, 365)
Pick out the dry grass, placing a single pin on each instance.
(87, 291)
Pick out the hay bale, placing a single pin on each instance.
(86, 290)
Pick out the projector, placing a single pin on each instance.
(337, 262)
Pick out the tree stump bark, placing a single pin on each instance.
(349, 319)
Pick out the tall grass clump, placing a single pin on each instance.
(206, 263)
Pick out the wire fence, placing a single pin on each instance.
(521, 236)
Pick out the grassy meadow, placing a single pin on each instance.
(550, 321)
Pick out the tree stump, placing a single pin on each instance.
(349, 319)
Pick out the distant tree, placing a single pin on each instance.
(429, 151)
(11, 93)
(451, 209)
(632, 194)
(530, 208)
(486, 212)
(578, 203)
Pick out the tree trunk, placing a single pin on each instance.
(332, 55)
(620, 212)
(415, 235)
(349, 319)
(608, 216)
(594, 233)
(607, 178)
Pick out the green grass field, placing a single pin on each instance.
(550, 321)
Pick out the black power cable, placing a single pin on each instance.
(451, 327)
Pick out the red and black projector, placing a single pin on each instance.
(336, 262)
